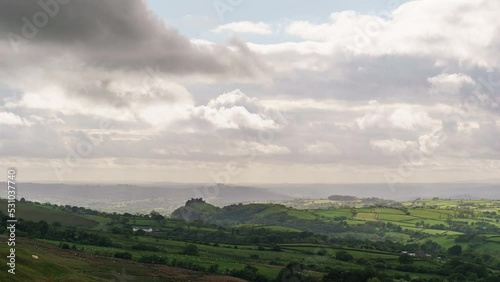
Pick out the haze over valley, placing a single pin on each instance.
(164, 198)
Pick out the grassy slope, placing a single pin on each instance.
(36, 213)
(55, 264)
(59, 265)
(419, 211)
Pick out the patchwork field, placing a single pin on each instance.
(256, 241)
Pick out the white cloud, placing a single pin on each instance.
(467, 127)
(406, 118)
(269, 148)
(458, 31)
(9, 118)
(393, 146)
(322, 147)
(402, 117)
(342, 26)
(245, 27)
(449, 84)
(251, 149)
(235, 110)
(429, 143)
(54, 99)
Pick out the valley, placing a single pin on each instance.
(413, 240)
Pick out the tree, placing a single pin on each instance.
(458, 277)
(43, 227)
(294, 271)
(249, 273)
(156, 215)
(322, 252)
(344, 256)
(455, 250)
(430, 246)
(339, 274)
(123, 255)
(276, 248)
(190, 250)
(405, 259)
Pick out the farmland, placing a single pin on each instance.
(260, 242)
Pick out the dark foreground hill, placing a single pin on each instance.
(56, 264)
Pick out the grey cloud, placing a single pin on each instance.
(117, 34)
(390, 78)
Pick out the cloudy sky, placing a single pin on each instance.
(240, 91)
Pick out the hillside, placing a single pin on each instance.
(56, 264)
(195, 209)
(439, 219)
(264, 242)
(48, 213)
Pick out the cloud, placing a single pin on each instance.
(450, 84)
(393, 146)
(406, 118)
(267, 149)
(235, 110)
(9, 118)
(355, 93)
(112, 34)
(441, 30)
(245, 27)
(402, 117)
(429, 143)
(322, 147)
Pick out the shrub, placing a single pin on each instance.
(321, 252)
(213, 268)
(154, 259)
(144, 247)
(123, 255)
(455, 250)
(190, 250)
(276, 248)
(405, 259)
(344, 256)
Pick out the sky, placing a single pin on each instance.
(238, 91)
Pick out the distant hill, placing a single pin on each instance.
(268, 214)
(195, 209)
(397, 192)
(135, 198)
(342, 198)
(166, 197)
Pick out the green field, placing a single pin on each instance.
(265, 240)
(333, 213)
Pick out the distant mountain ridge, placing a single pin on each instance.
(126, 198)
(167, 197)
